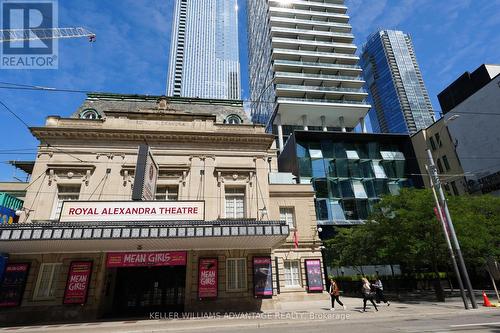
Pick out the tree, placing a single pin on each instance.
(404, 230)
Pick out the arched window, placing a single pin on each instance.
(233, 119)
(89, 114)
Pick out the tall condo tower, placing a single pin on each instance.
(400, 100)
(204, 57)
(303, 67)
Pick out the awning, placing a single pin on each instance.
(60, 237)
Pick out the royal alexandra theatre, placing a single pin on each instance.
(140, 204)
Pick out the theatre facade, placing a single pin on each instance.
(142, 204)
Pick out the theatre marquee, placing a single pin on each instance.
(132, 211)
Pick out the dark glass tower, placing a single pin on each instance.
(399, 99)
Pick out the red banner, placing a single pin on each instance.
(77, 285)
(141, 259)
(207, 278)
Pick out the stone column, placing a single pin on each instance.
(280, 132)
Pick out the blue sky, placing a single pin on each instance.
(133, 40)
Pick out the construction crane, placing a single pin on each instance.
(19, 35)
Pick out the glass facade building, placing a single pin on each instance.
(350, 171)
(303, 66)
(204, 54)
(399, 98)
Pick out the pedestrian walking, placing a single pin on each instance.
(368, 294)
(379, 291)
(335, 294)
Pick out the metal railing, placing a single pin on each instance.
(333, 89)
(315, 64)
(319, 76)
(324, 101)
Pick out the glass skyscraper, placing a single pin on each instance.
(204, 56)
(399, 99)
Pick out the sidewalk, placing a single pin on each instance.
(291, 313)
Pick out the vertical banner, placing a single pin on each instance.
(262, 276)
(146, 175)
(207, 278)
(314, 275)
(14, 281)
(77, 286)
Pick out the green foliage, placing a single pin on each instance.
(414, 276)
(404, 230)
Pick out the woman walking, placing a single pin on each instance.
(366, 290)
(379, 290)
(335, 294)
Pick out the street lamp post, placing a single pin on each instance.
(436, 183)
(441, 218)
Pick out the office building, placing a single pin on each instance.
(219, 229)
(466, 85)
(438, 139)
(465, 143)
(399, 98)
(204, 56)
(304, 71)
(350, 172)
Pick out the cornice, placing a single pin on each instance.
(262, 140)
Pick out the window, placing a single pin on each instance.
(394, 188)
(359, 190)
(167, 193)
(433, 144)
(287, 215)
(316, 153)
(292, 273)
(352, 155)
(446, 163)
(236, 274)
(46, 283)
(440, 166)
(438, 140)
(392, 155)
(65, 193)
(378, 170)
(235, 203)
(455, 189)
(89, 114)
(233, 119)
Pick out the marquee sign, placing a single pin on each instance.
(132, 211)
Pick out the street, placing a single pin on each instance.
(306, 317)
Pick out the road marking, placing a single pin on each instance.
(479, 324)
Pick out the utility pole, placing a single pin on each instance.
(442, 220)
(437, 185)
